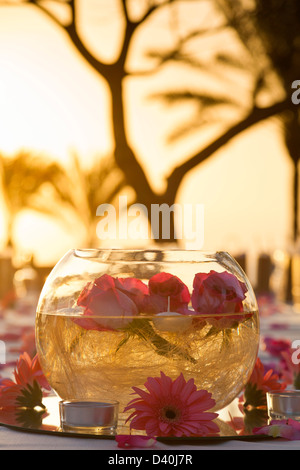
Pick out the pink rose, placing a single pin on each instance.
(166, 293)
(106, 306)
(135, 289)
(219, 293)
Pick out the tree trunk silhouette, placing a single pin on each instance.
(124, 154)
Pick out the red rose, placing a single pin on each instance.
(166, 293)
(106, 306)
(135, 289)
(219, 293)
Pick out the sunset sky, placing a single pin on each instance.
(52, 102)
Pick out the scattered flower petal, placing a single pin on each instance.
(287, 429)
(276, 346)
(129, 441)
(291, 367)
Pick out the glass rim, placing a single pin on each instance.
(283, 393)
(78, 403)
(149, 254)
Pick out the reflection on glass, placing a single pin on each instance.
(233, 421)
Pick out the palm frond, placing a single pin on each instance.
(35, 182)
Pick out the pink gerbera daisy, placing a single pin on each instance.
(26, 390)
(172, 408)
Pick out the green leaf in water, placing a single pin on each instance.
(142, 328)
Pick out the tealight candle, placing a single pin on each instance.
(172, 322)
(284, 405)
(89, 416)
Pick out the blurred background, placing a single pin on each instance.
(164, 101)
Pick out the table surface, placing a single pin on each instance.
(16, 440)
(282, 323)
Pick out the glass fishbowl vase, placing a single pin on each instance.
(107, 320)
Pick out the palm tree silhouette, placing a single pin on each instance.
(270, 31)
(67, 194)
(115, 74)
(255, 27)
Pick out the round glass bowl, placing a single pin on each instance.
(107, 320)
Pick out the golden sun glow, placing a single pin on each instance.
(49, 102)
(52, 102)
